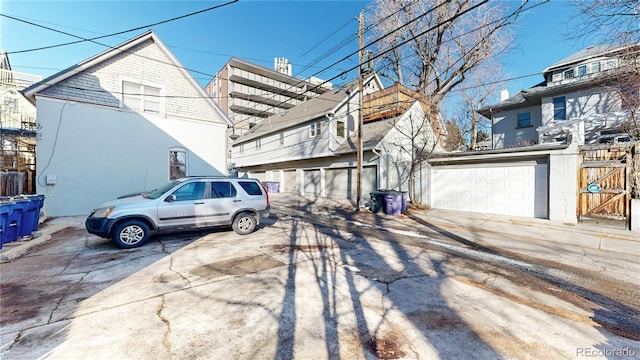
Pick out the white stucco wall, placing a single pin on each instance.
(582, 103)
(563, 185)
(505, 130)
(98, 153)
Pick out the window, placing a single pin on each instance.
(340, 129)
(611, 64)
(281, 138)
(222, 189)
(568, 74)
(251, 187)
(190, 191)
(177, 164)
(241, 148)
(258, 144)
(524, 120)
(595, 67)
(314, 129)
(582, 70)
(141, 97)
(559, 108)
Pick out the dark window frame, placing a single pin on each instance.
(560, 108)
(524, 120)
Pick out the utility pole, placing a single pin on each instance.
(360, 201)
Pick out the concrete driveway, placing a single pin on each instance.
(295, 289)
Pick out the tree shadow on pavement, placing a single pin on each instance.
(382, 289)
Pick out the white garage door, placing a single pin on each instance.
(518, 189)
(290, 184)
(342, 183)
(312, 185)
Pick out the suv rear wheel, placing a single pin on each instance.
(244, 223)
(130, 233)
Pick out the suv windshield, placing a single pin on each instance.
(161, 190)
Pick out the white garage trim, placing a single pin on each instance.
(507, 188)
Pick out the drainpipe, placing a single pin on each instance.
(329, 117)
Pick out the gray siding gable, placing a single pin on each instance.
(144, 60)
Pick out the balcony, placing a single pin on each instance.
(18, 124)
(18, 79)
(387, 103)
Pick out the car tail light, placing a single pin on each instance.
(265, 191)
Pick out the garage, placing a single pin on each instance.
(290, 182)
(342, 183)
(312, 183)
(508, 188)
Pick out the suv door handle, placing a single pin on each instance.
(237, 200)
(199, 203)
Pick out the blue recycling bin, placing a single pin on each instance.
(32, 215)
(15, 218)
(40, 200)
(393, 203)
(6, 208)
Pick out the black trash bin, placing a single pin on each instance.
(377, 200)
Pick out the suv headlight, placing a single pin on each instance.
(103, 212)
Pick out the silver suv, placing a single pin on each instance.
(182, 204)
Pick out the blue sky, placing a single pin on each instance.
(258, 31)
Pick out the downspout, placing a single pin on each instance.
(380, 168)
(329, 117)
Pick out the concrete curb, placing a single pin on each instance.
(12, 251)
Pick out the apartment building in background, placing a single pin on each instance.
(248, 93)
(18, 126)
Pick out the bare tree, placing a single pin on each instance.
(431, 46)
(610, 21)
(479, 88)
(454, 137)
(411, 140)
(617, 22)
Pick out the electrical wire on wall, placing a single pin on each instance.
(55, 143)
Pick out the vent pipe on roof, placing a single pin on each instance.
(504, 95)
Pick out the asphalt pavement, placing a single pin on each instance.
(610, 251)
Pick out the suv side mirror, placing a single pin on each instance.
(170, 198)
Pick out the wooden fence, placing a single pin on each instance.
(605, 181)
(12, 183)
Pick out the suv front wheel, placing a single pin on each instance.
(244, 223)
(130, 233)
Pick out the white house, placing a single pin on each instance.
(311, 149)
(128, 119)
(578, 101)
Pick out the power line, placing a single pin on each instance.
(104, 36)
(379, 39)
